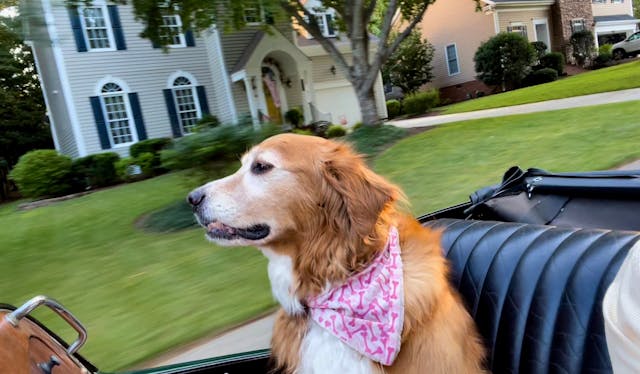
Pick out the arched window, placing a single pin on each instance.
(186, 103)
(117, 114)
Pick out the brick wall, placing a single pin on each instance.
(563, 11)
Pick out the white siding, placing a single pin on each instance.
(145, 70)
(224, 110)
(52, 89)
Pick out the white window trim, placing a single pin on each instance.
(261, 15)
(183, 41)
(107, 22)
(519, 24)
(542, 21)
(132, 125)
(446, 58)
(324, 14)
(194, 92)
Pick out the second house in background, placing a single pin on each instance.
(456, 30)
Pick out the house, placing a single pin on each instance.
(456, 29)
(106, 88)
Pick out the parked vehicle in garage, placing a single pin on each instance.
(628, 47)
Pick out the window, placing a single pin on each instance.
(518, 29)
(325, 22)
(252, 12)
(187, 105)
(617, 1)
(117, 114)
(577, 25)
(452, 59)
(97, 28)
(171, 30)
(598, 1)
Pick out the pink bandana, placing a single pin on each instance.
(367, 312)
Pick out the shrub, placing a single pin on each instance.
(336, 131)
(357, 125)
(540, 48)
(303, 132)
(544, 75)
(136, 168)
(553, 60)
(504, 60)
(154, 146)
(370, 140)
(95, 171)
(582, 46)
(294, 117)
(223, 143)
(150, 146)
(42, 173)
(605, 49)
(421, 102)
(207, 121)
(394, 108)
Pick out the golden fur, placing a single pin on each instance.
(332, 217)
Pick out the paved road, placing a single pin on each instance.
(257, 334)
(249, 337)
(571, 102)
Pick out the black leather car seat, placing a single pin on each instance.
(535, 291)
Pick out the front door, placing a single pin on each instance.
(542, 33)
(272, 98)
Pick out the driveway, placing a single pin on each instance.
(571, 102)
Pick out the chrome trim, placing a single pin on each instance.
(28, 307)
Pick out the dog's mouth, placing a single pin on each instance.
(218, 230)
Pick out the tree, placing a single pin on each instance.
(504, 60)
(353, 18)
(409, 67)
(582, 46)
(23, 125)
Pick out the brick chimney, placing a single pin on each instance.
(563, 12)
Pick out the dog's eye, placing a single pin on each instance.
(259, 167)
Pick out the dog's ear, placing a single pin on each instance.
(354, 196)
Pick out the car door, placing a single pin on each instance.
(633, 43)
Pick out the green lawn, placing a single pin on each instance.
(615, 78)
(141, 293)
(137, 293)
(443, 166)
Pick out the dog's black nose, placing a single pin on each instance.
(196, 197)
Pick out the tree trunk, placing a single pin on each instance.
(368, 107)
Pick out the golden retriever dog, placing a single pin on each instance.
(332, 230)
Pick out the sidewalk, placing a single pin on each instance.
(571, 102)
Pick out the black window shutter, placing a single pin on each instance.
(173, 115)
(137, 116)
(101, 125)
(329, 19)
(76, 26)
(202, 98)
(189, 39)
(118, 34)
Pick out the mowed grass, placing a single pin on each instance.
(443, 166)
(619, 77)
(137, 293)
(141, 293)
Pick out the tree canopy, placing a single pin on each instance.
(353, 18)
(409, 67)
(22, 111)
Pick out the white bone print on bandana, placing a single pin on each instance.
(367, 312)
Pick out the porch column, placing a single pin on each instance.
(251, 98)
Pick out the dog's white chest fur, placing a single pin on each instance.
(280, 270)
(321, 352)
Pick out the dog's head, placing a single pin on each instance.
(312, 198)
